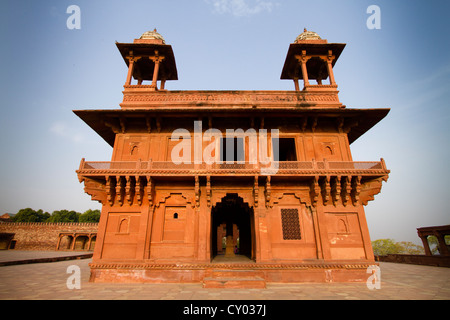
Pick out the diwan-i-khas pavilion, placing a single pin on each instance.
(232, 188)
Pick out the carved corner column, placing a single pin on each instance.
(367, 243)
(322, 242)
(101, 231)
(316, 228)
(149, 211)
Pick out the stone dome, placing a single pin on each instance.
(152, 35)
(308, 35)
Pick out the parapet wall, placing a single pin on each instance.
(43, 236)
(436, 260)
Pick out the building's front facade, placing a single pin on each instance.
(232, 187)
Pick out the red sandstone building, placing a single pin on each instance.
(280, 199)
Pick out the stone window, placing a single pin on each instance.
(286, 149)
(290, 224)
(232, 149)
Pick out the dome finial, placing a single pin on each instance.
(307, 36)
(152, 36)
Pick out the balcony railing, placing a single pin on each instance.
(137, 96)
(244, 168)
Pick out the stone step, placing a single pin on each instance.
(234, 283)
(241, 274)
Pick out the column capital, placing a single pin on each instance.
(303, 58)
(132, 58)
(330, 56)
(156, 58)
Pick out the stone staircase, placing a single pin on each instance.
(234, 279)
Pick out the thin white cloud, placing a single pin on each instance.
(241, 8)
(62, 130)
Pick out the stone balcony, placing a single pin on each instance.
(336, 181)
(288, 168)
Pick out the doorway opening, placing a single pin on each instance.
(232, 230)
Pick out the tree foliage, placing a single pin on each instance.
(382, 247)
(90, 216)
(30, 215)
(64, 216)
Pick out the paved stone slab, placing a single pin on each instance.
(11, 257)
(49, 281)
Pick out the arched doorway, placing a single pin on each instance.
(232, 228)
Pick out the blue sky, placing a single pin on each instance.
(49, 70)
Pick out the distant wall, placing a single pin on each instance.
(43, 236)
(436, 260)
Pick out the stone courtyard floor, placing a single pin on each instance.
(48, 281)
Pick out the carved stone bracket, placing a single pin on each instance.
(356, 189)
(315, 190)
(129, 190)
(370, 188)
(346, 190)
(138, 189)
(326, 190)
(336, 189)
(110, 190)
(119, 190)
(95, 189)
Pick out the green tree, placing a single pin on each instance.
(382, 247)
(64, 216)
(411, 248)
(30, 215)
(90, 216)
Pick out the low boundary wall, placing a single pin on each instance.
(435, 260)
(41, 235)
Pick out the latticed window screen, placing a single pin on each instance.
(290, 224)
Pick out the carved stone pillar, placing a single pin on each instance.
(229, 251)
(157, 59)
(330, 59)
(131, 60)
(303, 61)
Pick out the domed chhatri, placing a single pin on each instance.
(308, 36)
(151, 37)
